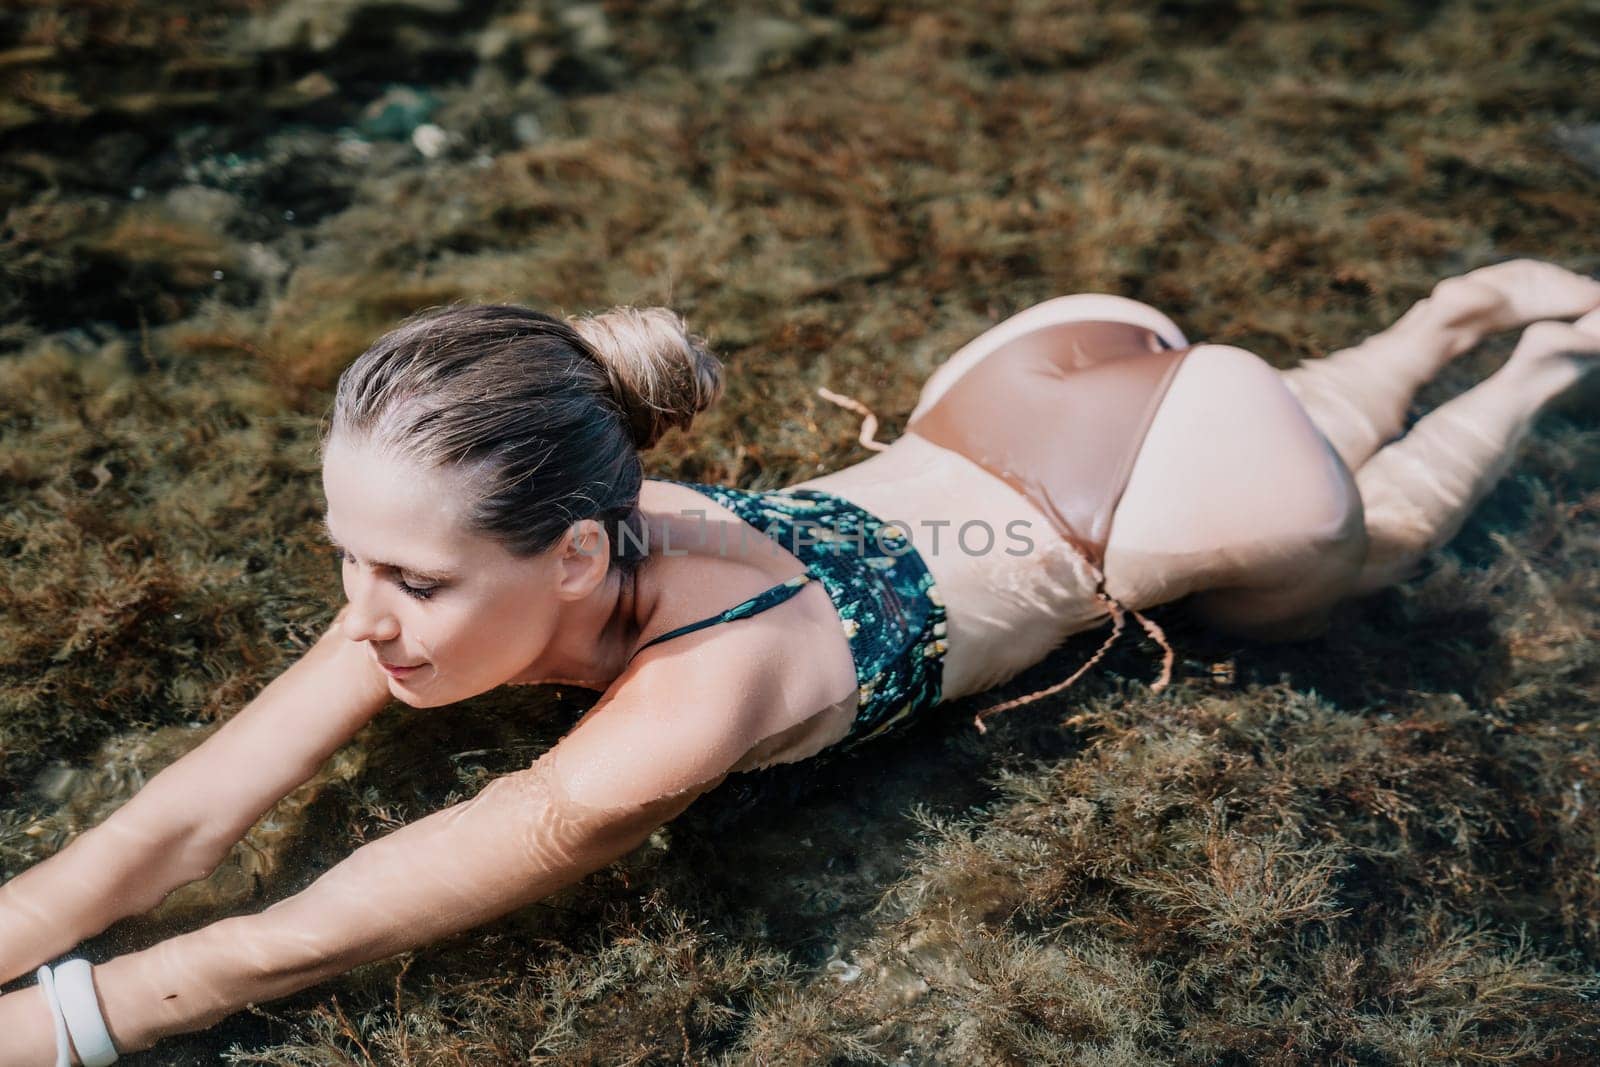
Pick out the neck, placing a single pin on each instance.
(594, 638)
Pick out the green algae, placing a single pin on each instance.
(1378, 847)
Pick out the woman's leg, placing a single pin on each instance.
(1358, 397)
(1418, 492)
(1240, 494)
(1414, 495)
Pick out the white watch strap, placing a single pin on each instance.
(81, 1010)
(47, 981)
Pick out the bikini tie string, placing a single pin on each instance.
(1116, 608)
(869, 423)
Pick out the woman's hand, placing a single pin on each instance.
(27, 1029)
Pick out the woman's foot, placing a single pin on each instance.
(1558, 353)
(1503, 296)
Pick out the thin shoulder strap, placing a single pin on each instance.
(769, 598)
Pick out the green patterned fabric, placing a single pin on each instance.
(888, 605)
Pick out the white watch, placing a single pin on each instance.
(63, 1053)
(81, 1010)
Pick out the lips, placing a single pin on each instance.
(394, 668)
(399, 672)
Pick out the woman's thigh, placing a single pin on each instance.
(1236, 490)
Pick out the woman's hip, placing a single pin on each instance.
(1078, 307)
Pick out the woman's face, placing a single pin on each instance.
(423, 590)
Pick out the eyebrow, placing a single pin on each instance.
(420, 572)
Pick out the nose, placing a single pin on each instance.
(369, 618)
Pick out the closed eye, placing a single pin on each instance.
(412, 591)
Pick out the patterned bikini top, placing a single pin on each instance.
(889, 608)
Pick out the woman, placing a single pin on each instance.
(483, 481)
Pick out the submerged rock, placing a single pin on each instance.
(1581, 143)
(523, 42)
(429, 140)
(263, 264)
(322, 25)
(396, 114)
(56, 782)
(527, 128)
(900, 985)
(200, 205)
(747, 45)
(584, 58)
(313, 88)
(587, 27)
(843, 971)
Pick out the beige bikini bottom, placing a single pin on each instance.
(1060, 415)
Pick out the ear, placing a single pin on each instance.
(583, 556)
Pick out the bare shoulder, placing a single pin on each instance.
(711, 568)
(686, 712)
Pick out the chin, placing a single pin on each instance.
(425, 697)
(410, 695)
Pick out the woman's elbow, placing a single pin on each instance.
(559, 827)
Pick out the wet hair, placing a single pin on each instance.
(544, 417)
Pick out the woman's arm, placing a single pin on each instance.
(183, 822)
(518, 840)
(670, 728)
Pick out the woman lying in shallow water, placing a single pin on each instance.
(483, 480)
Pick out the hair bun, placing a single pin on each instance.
(661, 375)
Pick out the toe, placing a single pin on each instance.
(1590, 323)
(1542, 340)
(1535, 290)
